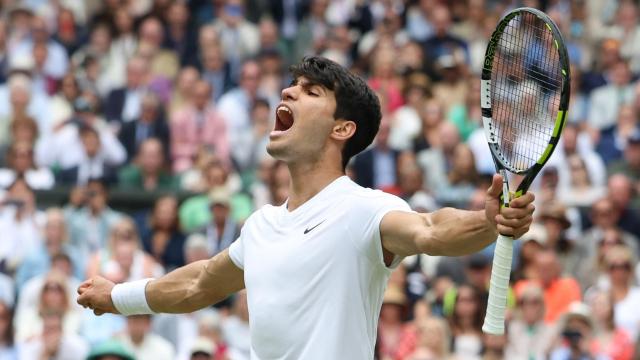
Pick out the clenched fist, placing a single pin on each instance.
(95, 294)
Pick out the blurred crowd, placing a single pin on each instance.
(175, 98)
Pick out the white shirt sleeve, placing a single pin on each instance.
(236, 252)
(364, 224)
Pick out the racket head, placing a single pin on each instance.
(524, 92)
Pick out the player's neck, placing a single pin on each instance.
(307, 180)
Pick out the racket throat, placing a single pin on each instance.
(505, 188)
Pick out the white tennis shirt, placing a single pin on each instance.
(315, 276)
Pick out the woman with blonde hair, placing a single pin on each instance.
(53, 299)
(124, 259)
(434, 339)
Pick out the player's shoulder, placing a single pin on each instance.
(364, 196)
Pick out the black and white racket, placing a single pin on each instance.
(524, 99)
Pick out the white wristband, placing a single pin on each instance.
(129, 298)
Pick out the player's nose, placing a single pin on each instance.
(290, 93)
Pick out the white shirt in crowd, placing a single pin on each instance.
(315, 276)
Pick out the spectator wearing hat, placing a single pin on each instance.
(577, 330)
(144, 344)
(609, 339)
(557, 225)
(558, 291)
(222, 230)
(531, 243)
(529, 337)
(54, 343)
(203, 349)
(391, 327)
(110, 350)
(196, 126)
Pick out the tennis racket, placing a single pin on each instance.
(524, 100)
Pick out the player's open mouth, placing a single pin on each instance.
(284, 118)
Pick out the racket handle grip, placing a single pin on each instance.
(499, 286)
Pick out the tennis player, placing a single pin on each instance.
(316, 267)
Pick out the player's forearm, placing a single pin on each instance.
(455, 232)
(195, 286)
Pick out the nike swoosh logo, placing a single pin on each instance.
(307, 230)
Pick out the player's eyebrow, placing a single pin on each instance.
(307, 84)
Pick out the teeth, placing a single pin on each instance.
(283, 108)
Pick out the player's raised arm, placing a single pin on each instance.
(186, 289)
(455, 232)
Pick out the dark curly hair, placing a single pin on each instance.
(355, 101)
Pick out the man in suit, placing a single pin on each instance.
(376, 167)
(150, 124)
(125, 104)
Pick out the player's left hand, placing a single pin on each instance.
(513, 220)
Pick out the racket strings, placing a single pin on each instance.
(525, 90)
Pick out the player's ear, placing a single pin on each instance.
(343, 129)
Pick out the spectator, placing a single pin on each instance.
(124, 104)
(20, 164)
(123, 258)
(465, 319)
(69, 32)
(163, 64)
(183, 90)
(376, 167)
(442, 42)
(54, 343)
(53, 299)
(385, 79)
(57, 60)
(65, 149)
(7, 347)
(433, 340)
(19, 100)
(621, 191)
(606, 100)
(312, 31)
(529, 336)
(252, 146)
(235, 328)
(577, 335)
(38, 261)
(92, 163)
(199, 125)
(151, 124)
(238, 101)
(441, 156)
(531, 243)
(161, 235)
(89, 218)
(570, 252)
(239, 38)
(559, 292)
(110, 350)
(610, 340)
(620, 264)
(222, 230)
(144, 344)
(179, 33)
(149, 171)
(20, 225)
(62, 102)
(216, 70)
(614, 139)
(203, 349)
